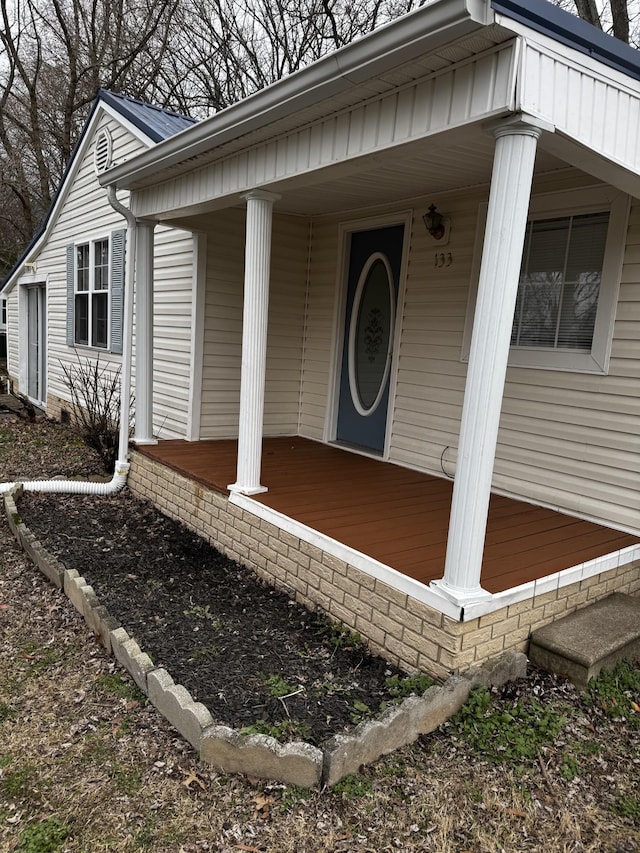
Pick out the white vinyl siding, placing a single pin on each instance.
(430, 375)
(477, 88)
(172, 285)
(593, 105)
(287, 294)
(319, 328)
(83, 212)
(223, 324)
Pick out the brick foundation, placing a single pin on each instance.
(56, 406)
(403, 630)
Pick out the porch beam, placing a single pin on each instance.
(254, 341)
(514, 156)
(143, 432)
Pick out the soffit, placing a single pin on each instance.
(451, 54)
(449, 162)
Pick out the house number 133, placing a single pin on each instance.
(443, 259)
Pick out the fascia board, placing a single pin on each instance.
(126, 123)
(406, 38)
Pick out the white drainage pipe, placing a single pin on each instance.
(75, 487)
(119, 479)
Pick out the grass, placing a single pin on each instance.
(119, 686)
(400, 687)
(617, 692)
(18, 783)
(46, 836)
(352, 787)
(280, 729)
(510, 735)
(6, 712)
(628, 805)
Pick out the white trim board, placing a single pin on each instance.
(426, 594)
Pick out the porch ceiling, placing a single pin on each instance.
(447, 162)
(394, 515)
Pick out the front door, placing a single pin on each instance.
(36, 343)
(375, 259)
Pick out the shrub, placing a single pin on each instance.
(95, 399)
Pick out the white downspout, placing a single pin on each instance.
(119, 479)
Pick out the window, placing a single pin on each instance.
(569, 278)
(95, 282)
(91, 293)
(3, 319)
(560, 282)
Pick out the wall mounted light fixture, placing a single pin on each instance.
(434, 222)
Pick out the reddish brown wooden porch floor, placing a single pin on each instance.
(395, 515)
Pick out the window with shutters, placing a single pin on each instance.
(569, 281)
(92, 294)
(95, 281)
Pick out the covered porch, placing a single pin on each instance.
(400, 517)
(328, 305)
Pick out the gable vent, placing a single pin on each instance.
(102, 152)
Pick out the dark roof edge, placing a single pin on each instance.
(117, 101)
(568, 29)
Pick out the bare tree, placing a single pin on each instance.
(54, 54)
(224, 50)
(619, 18)
(195, 56)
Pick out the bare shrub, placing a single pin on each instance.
(95, 399)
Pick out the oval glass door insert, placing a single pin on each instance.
(370, 334)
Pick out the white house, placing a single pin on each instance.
(64, 297)
(410, 393)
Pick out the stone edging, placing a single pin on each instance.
(296, 763)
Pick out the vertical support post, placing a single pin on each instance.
(254, 341)
(514, 157)
(143, 433)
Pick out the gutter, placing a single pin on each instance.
(121, 471)
(435, 24)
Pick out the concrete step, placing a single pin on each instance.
(596, 637)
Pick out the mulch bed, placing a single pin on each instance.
(250, 654)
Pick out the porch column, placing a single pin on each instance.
(257, 261)
(143, 432)
(514, 156)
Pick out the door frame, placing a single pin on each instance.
(23, 339)
(345, 230)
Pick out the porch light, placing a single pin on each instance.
(434, 222)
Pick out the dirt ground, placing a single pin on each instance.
(243, 649)
(87, 765)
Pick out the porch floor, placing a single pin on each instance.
(395, 515)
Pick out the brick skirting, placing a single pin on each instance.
(406, 632)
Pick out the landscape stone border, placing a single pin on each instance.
(297, 763)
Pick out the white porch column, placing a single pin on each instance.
(515, 151)
(143, 432)
(257, 261)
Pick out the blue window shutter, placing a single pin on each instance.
(70, 295)
(118, 242)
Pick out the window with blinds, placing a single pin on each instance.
(560, 282)
(95, 285)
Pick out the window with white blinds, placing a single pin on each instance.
(569, 280)
(95, 286)
(560, 282)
